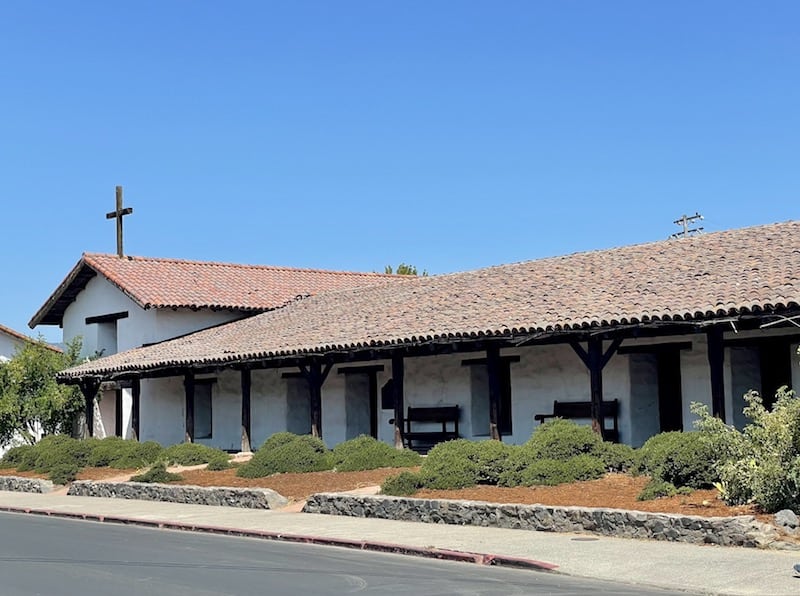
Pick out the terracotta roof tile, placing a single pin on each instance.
(712, 275)
(175, 283)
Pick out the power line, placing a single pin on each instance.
(685, 221)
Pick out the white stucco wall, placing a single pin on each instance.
(101, 297)
(162, 412)
(8, 345)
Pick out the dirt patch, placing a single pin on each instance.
(614, 490)
(617, 491)
(296, 487)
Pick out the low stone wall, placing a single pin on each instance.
(25, 485)
(251, 498)
(726, 531)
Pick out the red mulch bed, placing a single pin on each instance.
(614, 490)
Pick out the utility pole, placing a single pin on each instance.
(685, 221)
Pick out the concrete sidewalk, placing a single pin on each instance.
(695, 569)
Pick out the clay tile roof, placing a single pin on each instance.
(17, 335)
(175, 283)
(697, 278)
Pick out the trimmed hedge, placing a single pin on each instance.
(367, 453)
(115, 452)
(157, 473)
(192, 454)
(15, 456)
(451, 465)
(404, 484)
(562, 439)
(551, 472)
(219, 462)
(680, 458)
(303, 453)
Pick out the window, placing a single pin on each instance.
(106, 331)
(202, 408)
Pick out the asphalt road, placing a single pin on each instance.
(60, 557)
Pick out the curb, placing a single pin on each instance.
(367, 545)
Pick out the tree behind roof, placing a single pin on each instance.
(403, 269)
(31, 401)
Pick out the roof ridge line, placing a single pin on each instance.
(240, 265)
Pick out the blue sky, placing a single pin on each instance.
(351, 135)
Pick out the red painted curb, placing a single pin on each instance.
(384, 547)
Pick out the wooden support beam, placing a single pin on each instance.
(675, 346)
(315, 375)
(246, 386)
(89, 387)
(188, 384)
(485, 361)
(372, 377)
(356, 370)
(716, 364)
(595, 359)
(493, 370)
(136, 393)
(398, 371)
(118, 430)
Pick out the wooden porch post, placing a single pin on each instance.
(315, 387)
(398, 371)
(315, 376)
(246, 382)
(716, 363)
(595, 360)
(188, 384)
(136, 392)
(373, 403)
(89, 387)
(493, 370)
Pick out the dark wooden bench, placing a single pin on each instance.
(609, 410)
(422, 440)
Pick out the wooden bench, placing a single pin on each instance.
(431, 415)
(583, 409)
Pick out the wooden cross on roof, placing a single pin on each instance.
(118, 214)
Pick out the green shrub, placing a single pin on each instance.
(60, 451)
(15, 456)
(403, 485)
(451, 465)
(104, 451)
(27, 459)
(760, 464)
(137, 455)
(157, 473)
(278, 440)
(491, 458)
(63, 472)
(656, 489)
(680, 458)
(120, 453)
(550, 472)
(191, 454)
(303, 454)
(562, 439)
(618, 457)
(219, 462)
(366, 453)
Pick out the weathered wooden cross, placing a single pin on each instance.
(118, 214)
